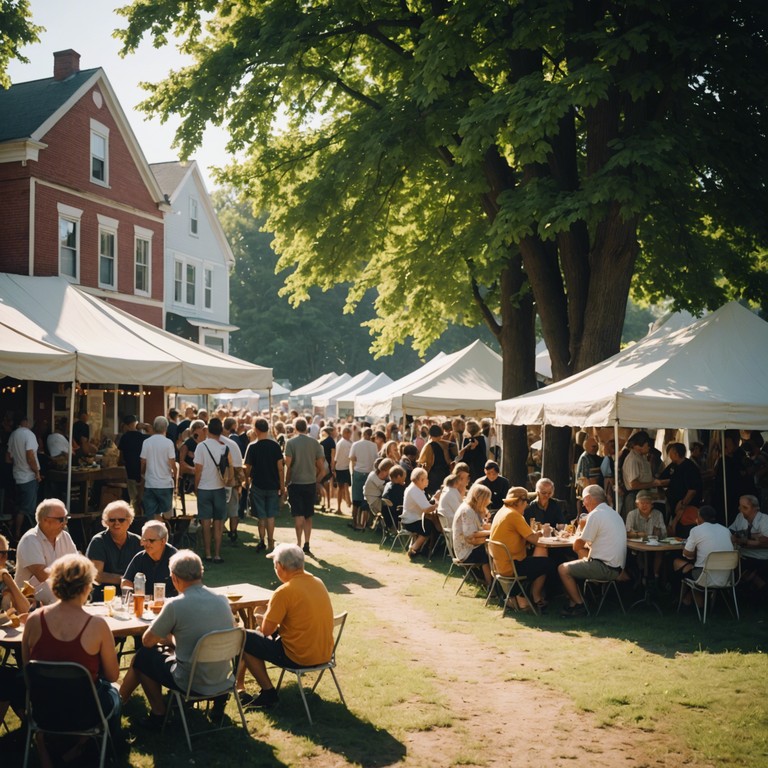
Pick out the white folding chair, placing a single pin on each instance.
(718, 574)
(402, 537)
(470, 569)
(221, 646)
(338, 625)
(497, 549)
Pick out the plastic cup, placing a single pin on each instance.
(109, 592)
(138, 605)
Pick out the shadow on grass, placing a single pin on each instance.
(337, 579)
(335, 729)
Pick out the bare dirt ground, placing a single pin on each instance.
(499, 717)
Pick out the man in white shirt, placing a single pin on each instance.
(343, 478)
(44, 543)
(158, 469)
(750, 533)
(636, 470)
(210, 489)
(604, 537)
(708, 536)
(233, 494)
(22, 451)
(362, 456)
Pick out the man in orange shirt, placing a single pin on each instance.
(295, 631)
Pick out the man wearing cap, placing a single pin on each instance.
(496, 482)
(130, 456)
(158, 468)
(296, 629)
(606, 539)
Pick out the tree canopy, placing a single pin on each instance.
(16, 31)
(488, 160)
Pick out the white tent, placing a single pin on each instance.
(311, 387)
(466, 382)
(250, 398)
(345, 405)
(25, 358)
(327, 399)
(108, 345)
(708, 375)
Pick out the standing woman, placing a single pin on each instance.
(470, 531)
(474, 451)
(65, 632)
(435, 458)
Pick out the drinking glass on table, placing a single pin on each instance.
(109, 592)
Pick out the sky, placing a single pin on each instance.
(87, 26)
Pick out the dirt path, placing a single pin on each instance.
(497, 716)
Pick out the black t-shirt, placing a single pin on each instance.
(498, 488)
(395, 493)
(553, 514)
(682, 477)
(329, 444)
(475, 457)
(130, 447)
(262, 457)
(80, 430)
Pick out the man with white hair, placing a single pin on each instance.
(112, 550)
(604, 537)
(154, 561)
(300, 612)
(158, 468)
(182, 622)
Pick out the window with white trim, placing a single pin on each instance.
(193, 220)
(99, 153)
(207, 288)
(214, 342)
(178, 281)
(107, 252)
(142, 260)
(190, 284)
(184, 282)
(69, 242)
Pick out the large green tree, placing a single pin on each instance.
(16, 31)
(488, 159)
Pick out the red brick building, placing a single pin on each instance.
(79, 198)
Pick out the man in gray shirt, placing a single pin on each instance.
(183, 621)
(304, 468)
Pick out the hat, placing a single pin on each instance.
(130, 419)
(645, 495)
(515, 494)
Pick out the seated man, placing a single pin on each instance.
(545, 509)
(708, 536)
(498, 484)
(296, 630)
(154, 562)
(181, 623)
(604, 542)
(394, 493)
(750, 534)
(646, 521)
(114, 548)
(41, 545)
(373, 488)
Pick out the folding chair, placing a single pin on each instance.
(605, 588)
(338, 625)
(402, 537)
(62, 701)
(717, 574)
(470, 569)
(386, 531)
(497, 549)
(221, 646)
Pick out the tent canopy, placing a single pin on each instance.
(108, 345)
(708, 375)
(315, 385)
(346, 402)
(330, 396)
(466, 382)
(22, 357)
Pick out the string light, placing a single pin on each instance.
(11, 389)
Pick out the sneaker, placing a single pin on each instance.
(264, 700)
(217, 710)
(306, 548)
(261, 546)
(574, 611)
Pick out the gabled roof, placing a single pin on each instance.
(29, 110)
(24, 107)
(172, 175)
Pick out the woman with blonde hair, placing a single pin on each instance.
(470, 529)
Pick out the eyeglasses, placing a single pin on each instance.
(117, 519)
(60, 520)
(148, 541)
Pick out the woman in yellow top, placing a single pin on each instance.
(509, 527)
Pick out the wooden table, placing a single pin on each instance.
(85, 478)
(253, 598)
(644, 549)
(555, 542)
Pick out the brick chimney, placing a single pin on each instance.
(65, 64)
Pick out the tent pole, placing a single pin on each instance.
(543, 452)
(616, 484)
(269, 403)
(725, 481)
(69, 455)
(404, 424)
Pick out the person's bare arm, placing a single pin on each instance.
(39, 571)
(103, 577)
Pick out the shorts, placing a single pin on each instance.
(233, 501)
(212, 505)
(358, 481)
(26, 498)
(423, 527)
(157, 501)
(533, 567)
(592, 569)
(264, 503)
(302, 498)
(157, 665)
(343, 477)
(267, 649)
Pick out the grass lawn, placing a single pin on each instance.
(412, 649)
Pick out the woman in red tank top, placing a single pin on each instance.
(64, 631)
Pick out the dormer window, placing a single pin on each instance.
(99, 153)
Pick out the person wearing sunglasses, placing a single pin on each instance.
(112, 550)
(41, 545)
(154, 561)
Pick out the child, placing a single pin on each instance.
(394, 491)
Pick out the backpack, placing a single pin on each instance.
(224, 464)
